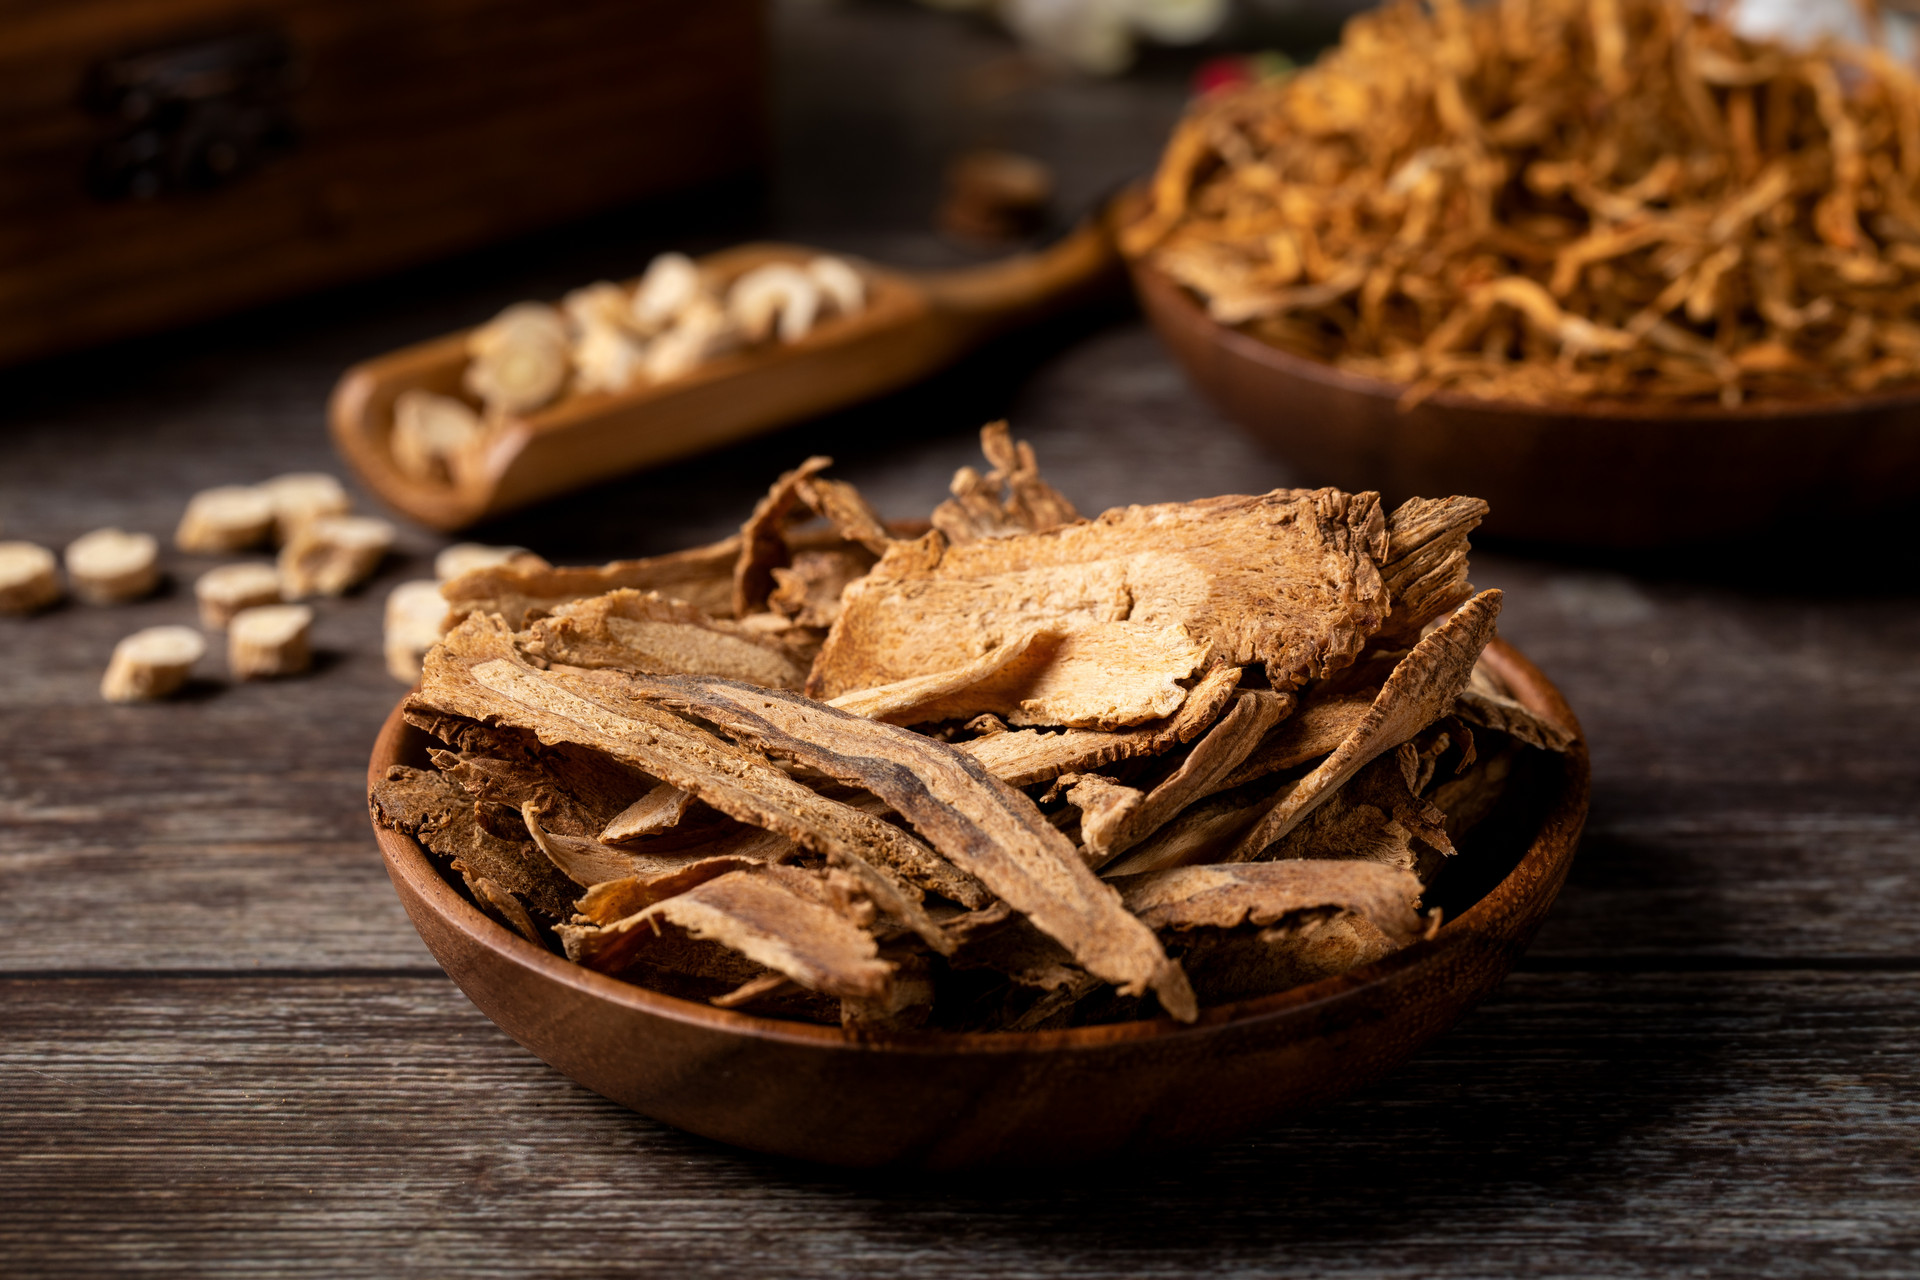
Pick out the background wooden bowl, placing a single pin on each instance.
(1599, 475)
(945, 1100)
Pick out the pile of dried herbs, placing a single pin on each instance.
(1552, 200)
(1019, 770)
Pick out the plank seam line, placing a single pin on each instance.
(1717, 964)
(169, 975)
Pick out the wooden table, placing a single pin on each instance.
(224, 1051)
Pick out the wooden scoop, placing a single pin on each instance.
(912, 325)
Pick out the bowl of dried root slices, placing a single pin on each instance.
(1021, 838)
(1630, 277)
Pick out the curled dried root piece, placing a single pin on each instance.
(151, 664)
(29, 578)
(109, 566)
(671, 284)
(778, 298)
(229, 518)
(227, 590)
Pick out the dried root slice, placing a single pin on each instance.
(440, 814)
(659, 810)
(301, 497)
(700, 332)
(1491, 710)
(225, 591)
(1377, 817)
(230, 518)
(151, 664)
(271, 640)
(1418, 692)
(648, 632)
(1425, 571)
(777, 299)
(699, 576)
(463, 558)
(416, 618)
(1010, 499)
(808, 592)
(518, 360)
(503, 906)
(109, 566)
(29, 578)
(669, 287)
(436, 439)
(1265, 893)
(762, 546)
(332, 555)
(841, 286)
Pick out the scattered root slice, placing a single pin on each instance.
(302, 496)
(29, 578)
(416, 618)
(1010, 499)
(1112, 829)
(983, 826)
(463, 558)
(1418, 692)
(225, 591)
(270, 640)
(699, 576)
(780, 917)
(151, 664)
(331, 555)
(519, 360)
(639, 631)
(435, 438)
(1026, 756)
(659, 810)
(109, 566)
(230, 518)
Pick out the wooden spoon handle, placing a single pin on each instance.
(978, 302)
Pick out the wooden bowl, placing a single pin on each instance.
(948, 1100)
(1609, 475)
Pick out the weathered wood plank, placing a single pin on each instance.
(1755, 1124)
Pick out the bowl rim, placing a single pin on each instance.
(1545, 861)
(1160, 293)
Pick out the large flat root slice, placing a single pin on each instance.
(646, 631)
(1109, 676)
(700, 576)
(1266, 893)
(1419, 691)
(985, 827)
(760, 913)
(1286, 579)
(1026, 756)
(1426, 565)
(1119, 828)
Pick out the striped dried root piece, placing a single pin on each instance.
(416, 618)
(271, 640)
(332, 555)
(29, 578)
(301, 497)
(225, 591)
(230, 518)
(518, 361)
(700, 576)
(109, 566)
(436, 438)
(648, 632)
(151, 664)
(463, 558)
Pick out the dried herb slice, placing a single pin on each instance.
(1265, 893)
(700, 576)
(645, 631)
(1010, 499)
(763, 547)
(438, 813)
(1425, 569)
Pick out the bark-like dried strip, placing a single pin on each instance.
(987, 828)
(1117, 828)
(1373, 818)
(659, 810)
(1010, 499)
(645, 631)
(1026, 756)
(589, 862)
(1418, 692)
(435, 811)
(763, 547)
(1285, 578)
(1496, 711)
(896, 703)
(1202, 833)
(700, 576)
(1425, 568)
(1265, 893)
(843, 507)
(762, 913)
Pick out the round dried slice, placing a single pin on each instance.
(840, 284)
(227, 590)
(519, 375)
(463, 558)
(521, 322)
(332, 555)
(110, 566)
(28, 579)
(151, 664)
(671, 284)
(269, 641)
(606, 359)
(600, 305)
(416, 619)
(232, 517)
(434, 436)
(702, 331)
(777, 294)
(303, 496)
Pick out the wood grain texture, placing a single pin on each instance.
(1704, 1066)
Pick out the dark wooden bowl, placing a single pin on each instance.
(944, 1100)
(1608, 475)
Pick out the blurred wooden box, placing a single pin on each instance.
(167, 160)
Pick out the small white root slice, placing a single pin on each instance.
(151, 664)
(227, 590)
(269, 641)
(332, 555)
(702, 330)
(232, 517)
(416, 619)
(435, 438)
(302, 496)
(109, 566)
(671, 283)
(607, 359)
(778, 292)
(464, 557)
(519, 359)
(840, 283)
(600, 305)
(28, 578)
